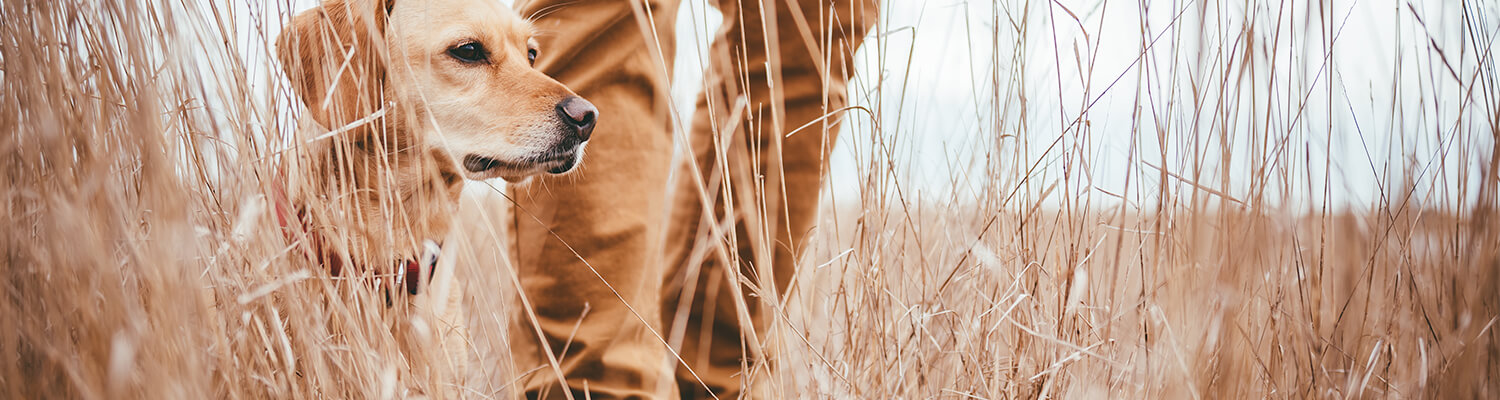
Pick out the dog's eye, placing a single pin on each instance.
(469, 52)
(531, 56)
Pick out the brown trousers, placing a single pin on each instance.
(621, 265)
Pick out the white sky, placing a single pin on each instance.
(1365, 142)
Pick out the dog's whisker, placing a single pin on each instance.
(548, 10)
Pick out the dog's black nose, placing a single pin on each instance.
(579, 114)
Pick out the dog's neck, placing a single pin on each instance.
(375, 194)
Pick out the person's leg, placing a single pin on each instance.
(586, 245)
(767, 78)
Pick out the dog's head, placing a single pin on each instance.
(453, 75)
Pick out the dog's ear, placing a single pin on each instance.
(334, 55)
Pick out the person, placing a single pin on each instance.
(624, 261)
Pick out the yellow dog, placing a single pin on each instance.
(409, 98)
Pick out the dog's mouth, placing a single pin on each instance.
(562, 166)
(483, 167)
(480, 164)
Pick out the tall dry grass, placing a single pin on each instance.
(142, 140)
(1226, 255)
(143, 257)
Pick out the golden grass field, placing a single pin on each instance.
(141, 260)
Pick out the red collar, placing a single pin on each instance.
(295, 226)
